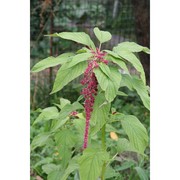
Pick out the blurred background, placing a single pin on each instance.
(126, 20)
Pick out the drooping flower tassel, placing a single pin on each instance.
(89, 92)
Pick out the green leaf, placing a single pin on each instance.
(40, 140)
(142, 91)
(111, 91)
(79, 37)
(64, 102)
(110, 128)
(100, 113)
(142, 174)
(109, 85)
(64, 115)
(110, 173)
(114, 85)
(65, 140)
(117, 60)
(73, 165)
(138, 85)
(106, 70)
(136, 132)
(102, 36)
(124, 145)
(47, 114)
(102, 79)
(83, 50)
(79, 58)
(65, 153)
(80, 98)
(48, 168)
(68, 108)
(113, 54)
(79, 125)
(129, 56)
(120, 93)
(116, 117)
(126, 81)
(46, 160)
(65, 137)
(55, 175)
(133, 47)
(64, 76)
(125, 165)
(52, 61)
(91, 162)
(57, 124)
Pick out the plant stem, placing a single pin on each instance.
(100, 47)
(103, 140)
(103, 137)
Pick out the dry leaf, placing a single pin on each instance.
(113, 136)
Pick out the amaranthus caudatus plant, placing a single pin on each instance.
(80, 131)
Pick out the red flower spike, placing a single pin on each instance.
(90, 90)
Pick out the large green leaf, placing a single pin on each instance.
(65, 140)
(114, 85)
(108, 84)
(100, 113)
(111, 91)
(40, 140)
(102, 36)
(133, 47)
(136, 132)
(79, 58)
(139, 86)
(65, 137)
(91, 162)
(142, 91)
(126, 81)
(47, 114)
(102, 78)
(66, 75)
(129, 56)
(106, 70)
(117, 60)
(52, 61)
(79, 37)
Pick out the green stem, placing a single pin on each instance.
(100, 47)
(103, 137)
(103, 141)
